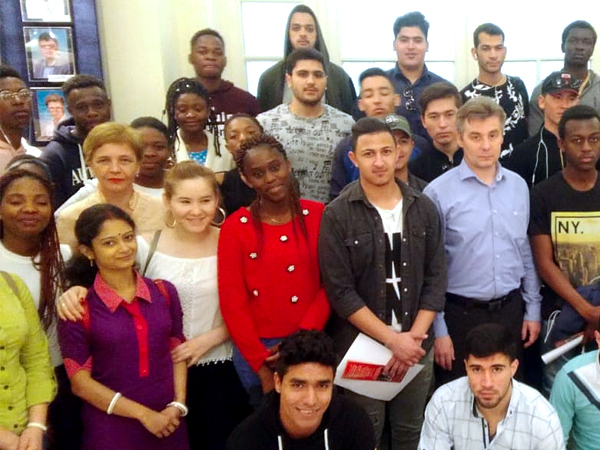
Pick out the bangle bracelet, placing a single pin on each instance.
(41, 426)
(180, 406)
(113, 402)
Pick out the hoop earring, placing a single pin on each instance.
(170, 225)
(223, 215)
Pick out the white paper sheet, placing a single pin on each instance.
(367, 350)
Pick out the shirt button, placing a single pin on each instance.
(255, 293)
(406, 313)
(497, 256)
(1, 367)
(294, 299)
(494, 211)
(405, 289)
(404, 263)
(10, 408)
(5, 387)
(1, 347)
(291, 268)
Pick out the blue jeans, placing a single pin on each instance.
(248, 377)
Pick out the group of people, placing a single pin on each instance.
(160, 282)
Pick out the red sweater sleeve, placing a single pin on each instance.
(233, 292)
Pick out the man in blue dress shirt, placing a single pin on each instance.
(485, 212)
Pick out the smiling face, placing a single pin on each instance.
(208, 57)
(16, 112)
(305, 394)
(375, 156)
(193, 204)
(410, 46)
(114, 248)
(581, 144)
(114, 165)
(404, 144)
(307, 82)
(303, 32)
(268, 173)
(26, 208)
(191, 112)
(490, 379)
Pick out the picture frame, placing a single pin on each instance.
(50, 53)
(49, 109)
(46, 11)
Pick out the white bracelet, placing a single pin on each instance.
(41, 426)
(180, 406)
(112, 404)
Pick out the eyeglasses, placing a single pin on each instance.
(22, 95)
(410, 104)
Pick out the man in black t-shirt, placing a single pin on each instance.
(304, 413)
(508, 91)
(565, 220)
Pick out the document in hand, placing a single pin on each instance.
(360, 370)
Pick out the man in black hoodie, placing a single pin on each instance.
(88, 104)
(303, 31)
(304, 413)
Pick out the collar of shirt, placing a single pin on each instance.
(424, 76)
(465, 172)
(357, 194)
(112, 300)
(512, 406)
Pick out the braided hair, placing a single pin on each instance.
(49, 263)
(265, 140)
(189, 86)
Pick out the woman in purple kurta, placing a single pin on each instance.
(124, 346)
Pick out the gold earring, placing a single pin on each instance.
(223, 215)
(170, 225)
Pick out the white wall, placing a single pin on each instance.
(145, 44)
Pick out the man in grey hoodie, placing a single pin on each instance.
(303, 31)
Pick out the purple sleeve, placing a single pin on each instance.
(177, 336)
(74, 343)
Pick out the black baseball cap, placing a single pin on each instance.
(560, 81)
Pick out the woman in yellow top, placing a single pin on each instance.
(26, 377)
(113, 152)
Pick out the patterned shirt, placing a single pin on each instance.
(309, 143)
(452, 421)
(512, 97)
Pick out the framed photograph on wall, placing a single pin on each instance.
(50, 53)
(45, 11)
(49, 108)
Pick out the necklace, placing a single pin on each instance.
(274, 220)
(7, 140)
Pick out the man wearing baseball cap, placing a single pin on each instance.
(539, 157)
(403, 136)
(377, 99)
